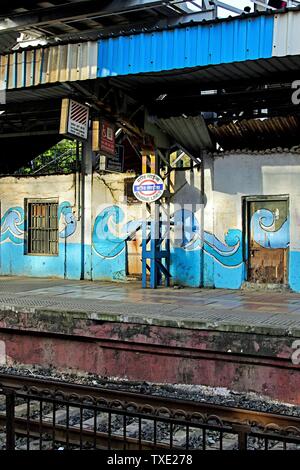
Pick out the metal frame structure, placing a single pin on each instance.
(158, 225)
(156, 228)
(59, 19)
(76, 17)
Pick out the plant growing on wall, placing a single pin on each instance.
(61, 158)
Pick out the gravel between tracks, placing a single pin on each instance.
(216, 396)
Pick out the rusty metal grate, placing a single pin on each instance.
(33, 418)
(42, 228)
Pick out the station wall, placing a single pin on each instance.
(13, 258)
(228, 179)
(207, 243)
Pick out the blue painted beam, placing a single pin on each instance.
(236, 40)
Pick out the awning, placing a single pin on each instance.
(190, 132)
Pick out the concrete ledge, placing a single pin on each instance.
(65, 317)
(134, 349)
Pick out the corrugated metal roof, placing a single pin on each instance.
(210, 75)
(39, 66)
(8, 40)
(286, 34)
(193, 46)
(179, 48)
(212, 52)
(134, 22)
(204, 76)
(38, 94)
(190, 132)
(257, 133)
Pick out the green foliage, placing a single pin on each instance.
(61, 158)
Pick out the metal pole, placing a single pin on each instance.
(10, 419)
(242, 431)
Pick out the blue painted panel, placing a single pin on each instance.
(294, 270)
(193, 46)
(228, 277)
(185, 267)
(108, 269)
(264, 235)
(14, 262)
(208, 270)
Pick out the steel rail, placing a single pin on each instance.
(225, 413)
(72, 435)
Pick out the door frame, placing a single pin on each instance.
(246, 200)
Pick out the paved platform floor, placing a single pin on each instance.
(127, 302)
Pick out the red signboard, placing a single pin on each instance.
(107, 138)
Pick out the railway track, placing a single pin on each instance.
(46, 414)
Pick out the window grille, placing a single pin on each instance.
(42, 228)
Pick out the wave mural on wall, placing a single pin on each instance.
(110, 232)
(12, 226)
(222, 258)
(263, 230)
(13, 223)
(69, 219)
(229, 252)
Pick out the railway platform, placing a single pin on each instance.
(243, 340)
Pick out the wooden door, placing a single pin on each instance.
(268, 235)
(134, 258)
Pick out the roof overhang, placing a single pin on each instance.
(255, 134)
(233, 49)
(78, 18)
(190, 133)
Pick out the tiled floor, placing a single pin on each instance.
(128, 300)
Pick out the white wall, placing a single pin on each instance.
(230, 177)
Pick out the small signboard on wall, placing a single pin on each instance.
(113, 163)
(103, 140)
(74, 121)
(107, 138)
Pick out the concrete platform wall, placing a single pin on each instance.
(245, 362)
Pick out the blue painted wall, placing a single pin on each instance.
(204, 259)
(15, 261)
(194, 46)
(196, 259)
(294, 270)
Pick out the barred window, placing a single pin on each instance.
(42, 228)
